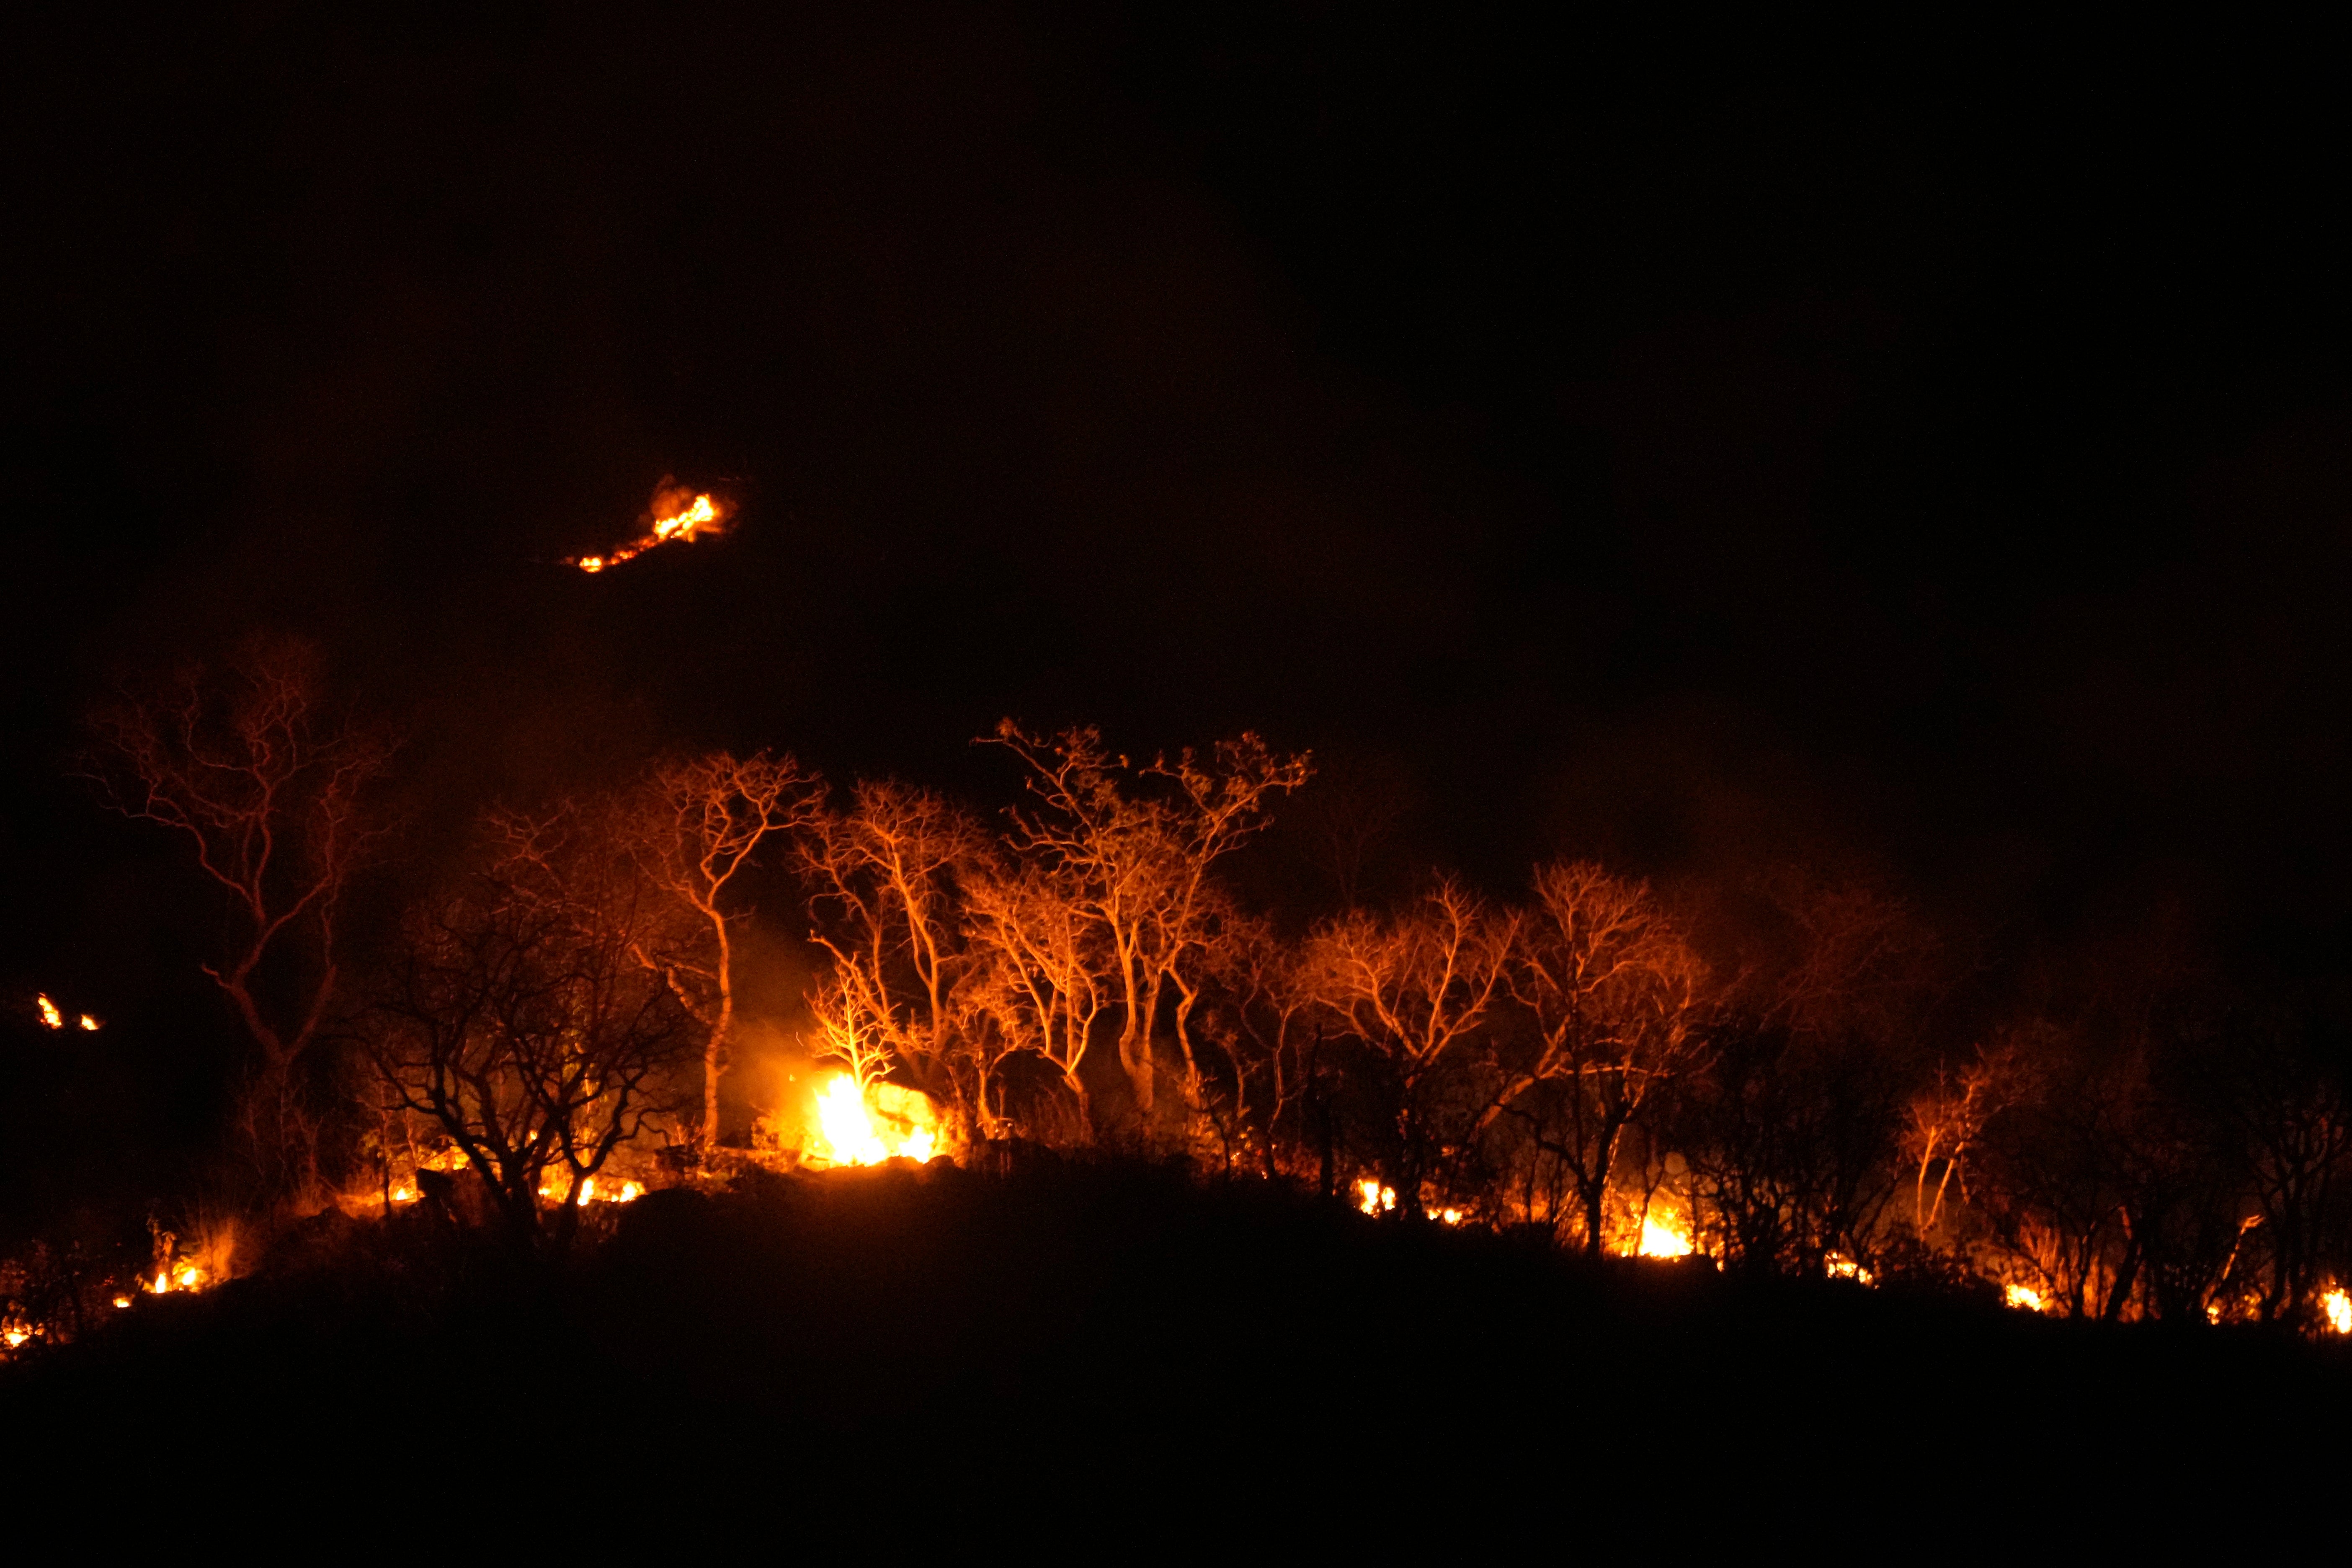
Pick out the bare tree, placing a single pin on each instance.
(1947, 1121)
(1043, 979)
(1135, 866)
(1260, 1025)
(267, 783)
(885, 890)
(702, 821)
(518, 1017)
(2296, 1141)
(1414, 991)
(1614, 991)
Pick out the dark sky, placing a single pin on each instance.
(1921, 455)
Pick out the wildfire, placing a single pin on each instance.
(1660, 1239)
(552, 1193)
(847, 1134)
(53, 1016)
(2337, 1305)
(2024, 1298)
(678, 514)
(171, 1277)
(1373, 1198)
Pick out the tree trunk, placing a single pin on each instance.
(714, 1054)
(1594, 1195)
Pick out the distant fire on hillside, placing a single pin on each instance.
(677, 514)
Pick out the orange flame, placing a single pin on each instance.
(677, 513)
(90, 1023)
(2337, 1305)
(550, 1190)
(50, 1018)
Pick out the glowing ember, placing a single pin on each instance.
(1662, 1240)
(50, 1018)
(2337, 1305)
(677, 514)
(1373, 1198)
(848, 1135)
(2024, 1298)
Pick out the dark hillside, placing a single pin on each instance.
(1069, 1336)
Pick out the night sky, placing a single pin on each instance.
(1925, 458)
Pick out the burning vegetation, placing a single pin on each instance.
(677, 514)
(545, 1034)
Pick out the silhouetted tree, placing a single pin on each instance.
(518, 1015)
(267, 783)
(1414, 991)
(1614, 990)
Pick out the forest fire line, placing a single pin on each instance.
(1076, 972)
(678, 515)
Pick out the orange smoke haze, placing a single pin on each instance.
(677, 513)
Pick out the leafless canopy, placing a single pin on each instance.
(521, 1020)
(267, 783)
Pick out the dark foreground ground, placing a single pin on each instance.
(1115, 1347)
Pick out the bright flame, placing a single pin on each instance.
(1373, 1198)
(1840, 1267)
(550, 1190)
(677, 514)
(1662, 1240)
(15, 1335)
(2024, 1298)
(50, 1018)
(847, 1133)
(687, 523)
(90, 1023)
(403, 1193)
(122, 1300)
(2338, 1308)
